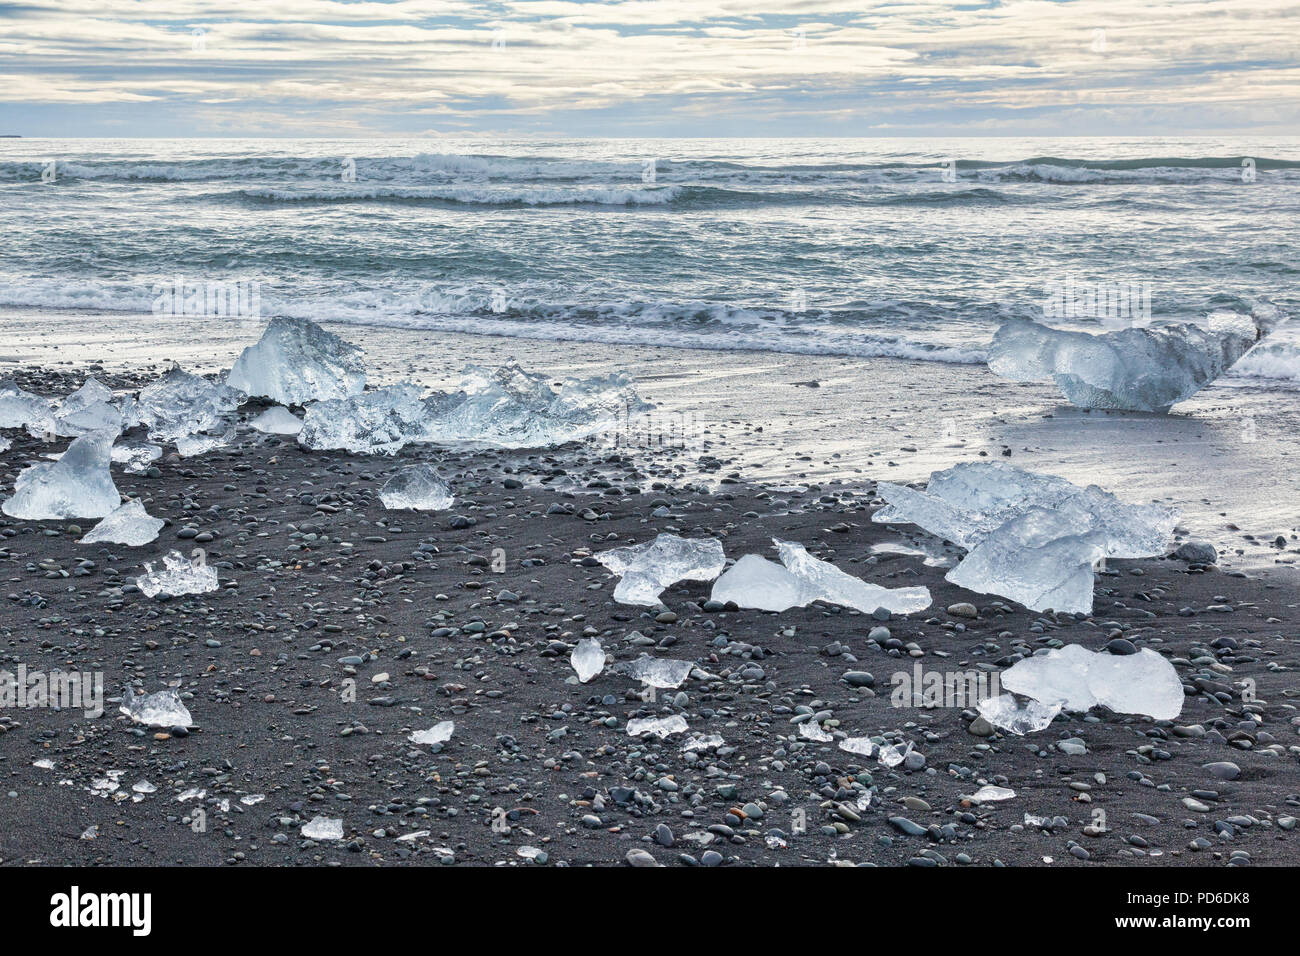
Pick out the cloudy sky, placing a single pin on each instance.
(648, 67)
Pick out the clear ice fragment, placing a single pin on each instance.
(136, 456)
(128, 524)
(659, 671)
(22, 409)
(277, 420)
(180, 404)
(658, 726)
(588, 659)
(439, 733)
(296, 362)
(178, 576)
(417, 487)
(991, 794)
(78, 485)
(323, 828)
(163, 709)
(646, 569)
(1079, 679)
(1006, 713)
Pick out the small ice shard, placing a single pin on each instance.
(380, 421)
(1080, 679)
(659, 671)
(658, 726)
(129, 524)
(78, 485)
(191, 446)
(278, 420)
(193, 793)
(323, 828)
(1005, 713)
(88, 409)
(1033, 821)
(1035, 559)
(1138, 369)
(180, 404)
(45, 763)
(296, 362)
(178, 576)
(252, 799)
(439, 733)
(90, 833)
(862, 746)
(588, 659)
(811, 730)
(646, 569)
(136, 455)
(990, 794)
(143, 786)
(754, 582)
(5, 444)
(891, 756)
(417, 487)
(529, 852)
(163, 709)
(703, 742)
(21, 409)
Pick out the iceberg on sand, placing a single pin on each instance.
(78, 485)
(1136, 369)
(179, 404)
(755, 582)
(646, 569)
(296, 362)
(129, 524)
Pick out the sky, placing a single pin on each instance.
(582, 68)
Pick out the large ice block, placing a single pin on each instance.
(1079, 679)
(89, 408)
(1138, 369)
(754, 582)
(380, 421)
(296, 362)
(129, 524)
(647, 569)
(78, 485)
(180, 404)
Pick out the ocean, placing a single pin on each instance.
(891, 248)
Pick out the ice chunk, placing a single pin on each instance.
(811, 730)
(703, 742)
(439, 733)
(1007, 714)
(418, 487)
(323, 828)
(136, 455)
(863, 746)
(1079, 679)
(991, 794)
(180, 404)
(278, 420)
(87, 409)
(891, 756)
(658, 726)
(296, 362)
(1139, 369)
(1035, 559)
(375, 422)
(21, 409)
(178, 576)
(191, 446)
(78, 485)
(659, 671)
(163, 709)
(129, 524)
(754, 582)
(588, 659)
(5, 444)
(646, 569)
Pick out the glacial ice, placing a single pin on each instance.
(163, 709)
(191, 446)
(703, 742)
(178, 576)
(1079, 679)
(1138, 369)
(658, 726)
(135, 455)
(659, 671)
(1006, 713)
(323, 828)
(891, 756)
(439, 733)
(277, 420)
(78, 485)
(646, 569)
(588, 659)
(506, 407)
(991, 794)
(128, 524)
(754, 582)
(22, 409)
(811, 730)
(296, 362)
(180, 404)
(417, 487)
(863, 746)
(1033, 538)
(89, 408)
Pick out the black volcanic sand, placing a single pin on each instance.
(538, 760)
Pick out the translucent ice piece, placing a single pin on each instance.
(417, 487)
(191, 446)
(163, 709)
(136, 456)
(658, 726)
(89, 408)
(703, 742)
(78, 485)
(323, 828)
(862, 746)
(296, 362)
(659, 671)
(991, 794)
(180, 404)
(278, 420)
(811, 730)
(439, 733)
(128, 524)
(647, 569)
(1007, 714)
(22, 409)
(891, 756)
(1079, 679)
(380, 421)
(588, 659)
(1141, 369)
(178, 576)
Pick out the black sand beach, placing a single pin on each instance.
(320, 585)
